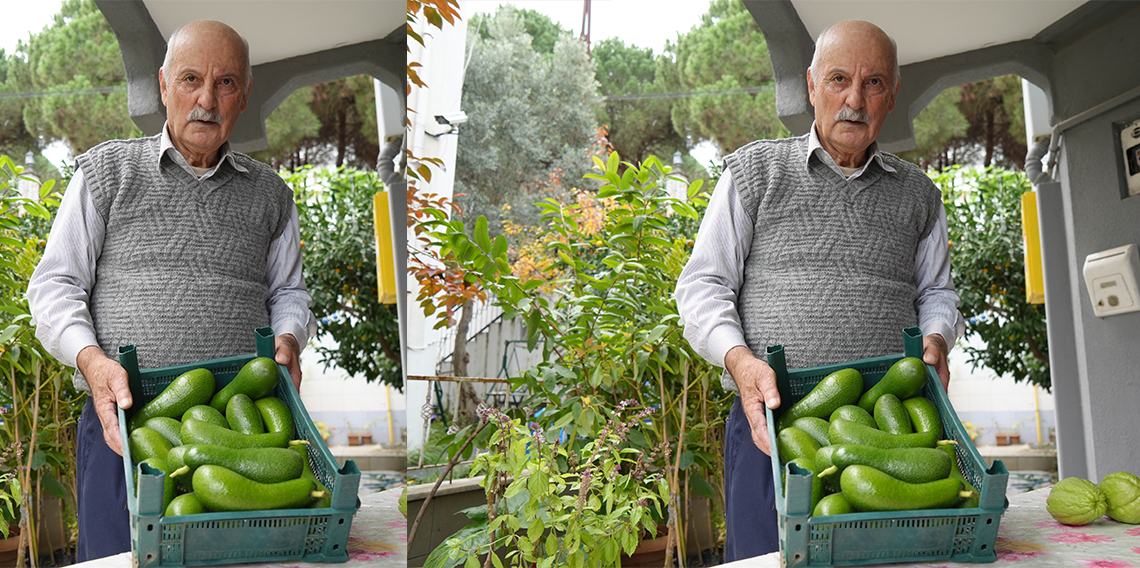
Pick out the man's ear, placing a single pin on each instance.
(811, 87)
(162, 86)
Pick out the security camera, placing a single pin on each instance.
(446, 124)
(452, 118)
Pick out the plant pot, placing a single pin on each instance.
(359, 439)
(1008, 439)
(9, 545)
(50, 535)
(650, 553)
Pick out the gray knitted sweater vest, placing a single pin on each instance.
(183, 271)
(831, 270)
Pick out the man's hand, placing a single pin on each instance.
(109, 389)
(935, 352)
(288, 352)
(757, 384)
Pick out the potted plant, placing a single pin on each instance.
(360, 436)
(550, 505)
(39, 407)
(10, 496)
(322, 429)
(1009, 436)
(602, 312)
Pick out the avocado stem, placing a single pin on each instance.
(182, 470)
(299, 443)
(318, 494)
(947, 443)
(965, 494)
(828, 471)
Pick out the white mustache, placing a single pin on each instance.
(202, 114)
(853, 115)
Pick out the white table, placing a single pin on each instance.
(1028, 536)
(378, 538)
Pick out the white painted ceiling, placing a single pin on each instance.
(929, 29)
(280, 29)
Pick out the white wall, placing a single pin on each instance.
(346, 403)
(442, 58)
(994, 403)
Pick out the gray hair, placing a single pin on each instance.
(244, 48)
(818, 40)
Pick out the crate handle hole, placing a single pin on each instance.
(983, 547)
(336, 547)
(340, 522)
(798, 528)
(989, 521)
(797, 557)
(149, 557)
(150, 528)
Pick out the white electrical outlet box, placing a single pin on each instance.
(1130, 145)
(1111, 280)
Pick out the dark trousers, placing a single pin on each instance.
(104, 523)
(749, 492)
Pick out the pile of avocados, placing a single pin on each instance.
(874, 450)
(226, 450)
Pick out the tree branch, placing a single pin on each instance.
(450, 465)
(1036, 349)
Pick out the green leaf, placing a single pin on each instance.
(695, 188)
(698, 483)
(499, 248)
(534, 531)
(52, 486)
(39, 458)
(551, 546)
(481, 235)
(686, 460)
(613, 162)
(477, 513)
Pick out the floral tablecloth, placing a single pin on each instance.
(1029, 537)
(378, 539)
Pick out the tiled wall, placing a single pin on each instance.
(351, 404)
(998, 404)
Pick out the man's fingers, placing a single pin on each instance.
(758, 421)
(112, 439)
(771, 395)
(109, 418)
(760, 436)
(123, 396)
(284, 357)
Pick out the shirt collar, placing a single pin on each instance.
(814, 146)
(166, 145)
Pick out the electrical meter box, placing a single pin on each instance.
(1111, 280)
(1130, 146)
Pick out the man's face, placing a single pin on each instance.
(853, 93)
(206, 91)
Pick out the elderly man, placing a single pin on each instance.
(820, 243)
(174, 244)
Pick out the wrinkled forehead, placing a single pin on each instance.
(208, 49)
(867, 51)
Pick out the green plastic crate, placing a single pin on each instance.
(958, 535)
(311, 535)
